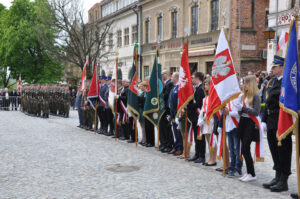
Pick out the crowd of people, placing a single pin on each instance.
(41, 100)
(241, 115)
(9, 100)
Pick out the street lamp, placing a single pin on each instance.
(269, 33)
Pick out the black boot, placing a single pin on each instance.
(282, 184)
(294, 195)
(273, 181)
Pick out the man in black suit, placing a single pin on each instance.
(197, 79)
(281, 155)
(13, 99)
(166, 137)
(123, 106)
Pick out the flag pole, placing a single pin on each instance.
(136, 133)
(224, 145)
(157, 137)
(95, 123)
(186, 116)
(116, 100)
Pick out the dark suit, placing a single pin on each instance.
(166, 138)
(101, 108)
(13, 99)
(193, 117)
(281, 155)
(123, 99)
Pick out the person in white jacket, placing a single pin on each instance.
(206, 129)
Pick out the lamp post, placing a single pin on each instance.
(269, 33)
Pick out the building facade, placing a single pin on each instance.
(172, 22)
(287, 9)
(122, 35)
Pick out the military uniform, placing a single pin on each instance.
(281, 155)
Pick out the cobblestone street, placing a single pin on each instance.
(52, 158)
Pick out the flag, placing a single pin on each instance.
(93, 90)
(224, 85)
(283, 40)
(185, 90)
(19, 83)
(289, 95)
(132, 100)
(154, 105)
(83, 77)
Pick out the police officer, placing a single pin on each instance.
(281, 155)
(101, 105)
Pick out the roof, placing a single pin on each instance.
(96, 5)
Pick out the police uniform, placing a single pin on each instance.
(281, 155)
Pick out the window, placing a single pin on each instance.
(253, 13)
(119, 40)
(110, 41)
(209, 67)
(134, 34)
(147, 29)
(146, 71)
(214, 15)
(126, 36)
(173, 70)
(174, 24)
(159, 28)
(195, 20)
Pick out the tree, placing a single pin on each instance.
(20, 46)
(75, 40)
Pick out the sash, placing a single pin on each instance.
(236, 123)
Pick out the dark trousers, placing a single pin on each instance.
(110, 119)
(131, 128)
(149, 132)
(246, 151)
(165, 132)
(200, 145)
(80, 116)
(178, 145)
(101, 111)
(281, 155)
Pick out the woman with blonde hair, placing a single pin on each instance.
(247, 130)
(206, 129)
(141, 101)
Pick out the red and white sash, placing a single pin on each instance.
(259, 146)
(125, 111)
(212, 141)
(234, 120)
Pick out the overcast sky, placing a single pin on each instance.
(87, 4)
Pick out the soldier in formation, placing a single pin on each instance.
(41, 100)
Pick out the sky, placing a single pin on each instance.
(86, 3)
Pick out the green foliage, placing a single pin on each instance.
(20, 45)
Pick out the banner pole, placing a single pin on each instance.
(224, 145)
(297, 156)
(136, 133)
(157, 137)
(116, 100)
(95, 123)
(186, 133)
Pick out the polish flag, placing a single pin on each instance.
(83, 77)
(19, 83)
(283, 40)
(224, 85)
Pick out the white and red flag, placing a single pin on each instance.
(93, 90)
(185, 89)
(19, 83)
(224, 85)
(283, 40)
(83, 76)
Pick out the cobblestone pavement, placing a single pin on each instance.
(52, 158)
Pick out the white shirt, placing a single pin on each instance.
(233, 113)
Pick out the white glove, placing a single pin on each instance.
(169, 118)
(219, 130)
(264, 127)
(179, 126)
(200, 122)
(117, 96)
(177, 120)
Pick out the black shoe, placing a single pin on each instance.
(210, 165)
(161, 148)
(166, 150)
(281, 185)
(122, 138)
(273, 182)
(109, 133)
(294, 195)
(200, 160)
(131, 141)
(149, 145)
(192, 158)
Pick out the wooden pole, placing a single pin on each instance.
(136, 133)
(95, 123)
(186, 133)
(116, 100)
(297, 156)
(157, 137)
(224, 145)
